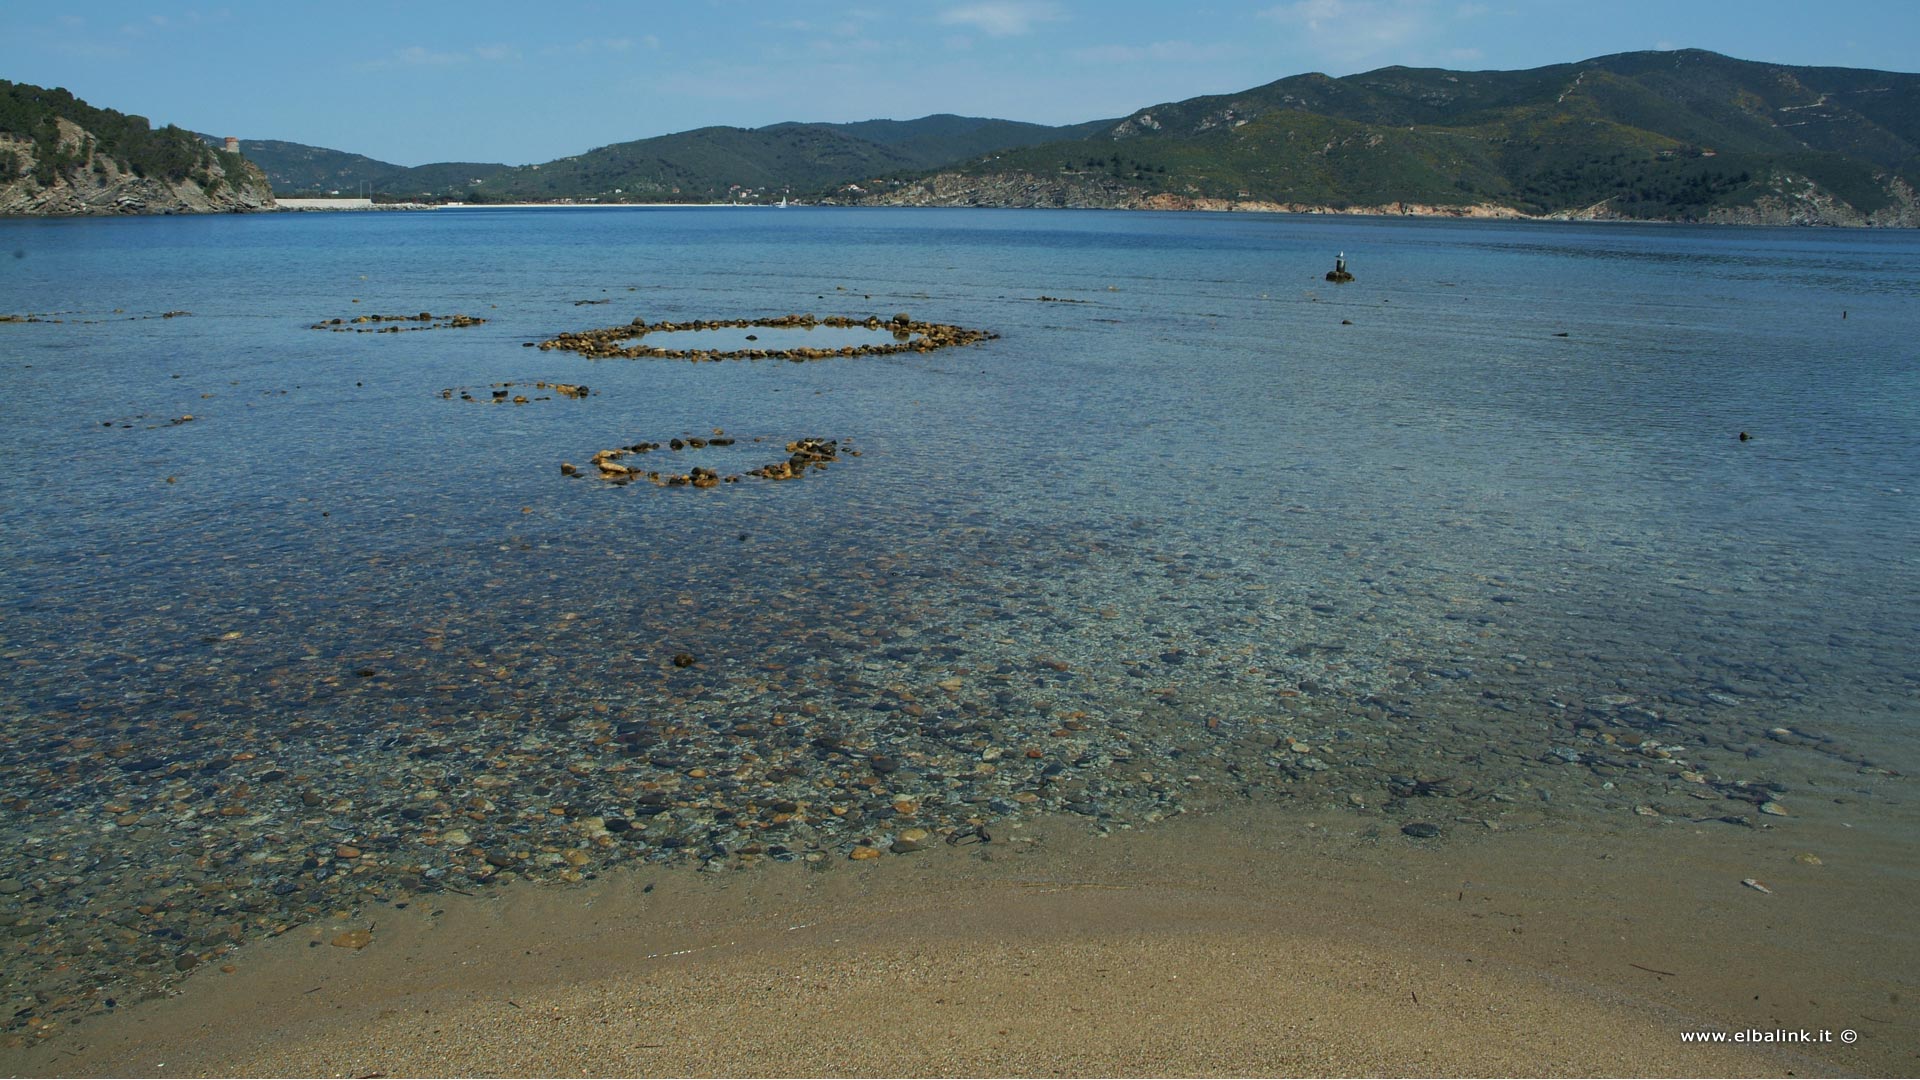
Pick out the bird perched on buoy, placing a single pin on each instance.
(1339, 272)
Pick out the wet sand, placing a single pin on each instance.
(1249, 941)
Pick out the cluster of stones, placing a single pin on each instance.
(359, 324)
(803, 454)
(128, 422)
(909, 336)
(49, 317)
(502, 393)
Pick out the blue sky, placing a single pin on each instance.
(526, 82)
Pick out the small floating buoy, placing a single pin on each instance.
(1744, 437)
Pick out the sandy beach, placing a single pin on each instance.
(1243, 942)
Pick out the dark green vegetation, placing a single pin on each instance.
(297, 169)
(1673, 135)
(32, 115)
(705, 165)
(1685, 135)
(939, 140)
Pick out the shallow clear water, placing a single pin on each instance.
(1192, 503)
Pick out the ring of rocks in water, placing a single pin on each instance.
(502, 393)
(429, 321)
(803, 455)
(909, 336)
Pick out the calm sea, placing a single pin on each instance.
(1477, 532)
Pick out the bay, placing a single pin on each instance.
(1475, 536)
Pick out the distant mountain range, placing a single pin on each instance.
(1673, 136)
(1680, 136)
(704, 165)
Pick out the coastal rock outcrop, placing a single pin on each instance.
(52, 164)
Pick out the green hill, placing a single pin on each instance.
(297, 169)
(704, 165)
(945, 138)
(1684, 135)
(708, 164)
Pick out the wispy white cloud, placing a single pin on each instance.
(846, 48)
(1160, 52)
(1350, 31)
(419, 56)
(590, 46)
(1002, 18)
(83, 49)
(152, 24)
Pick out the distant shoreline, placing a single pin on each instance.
(606, 206)
(1401, 211)
(343, 206)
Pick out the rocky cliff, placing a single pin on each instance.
(57, 167)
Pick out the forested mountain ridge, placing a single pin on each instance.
(1684, 135)
(703, 165)
(1678, 136)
